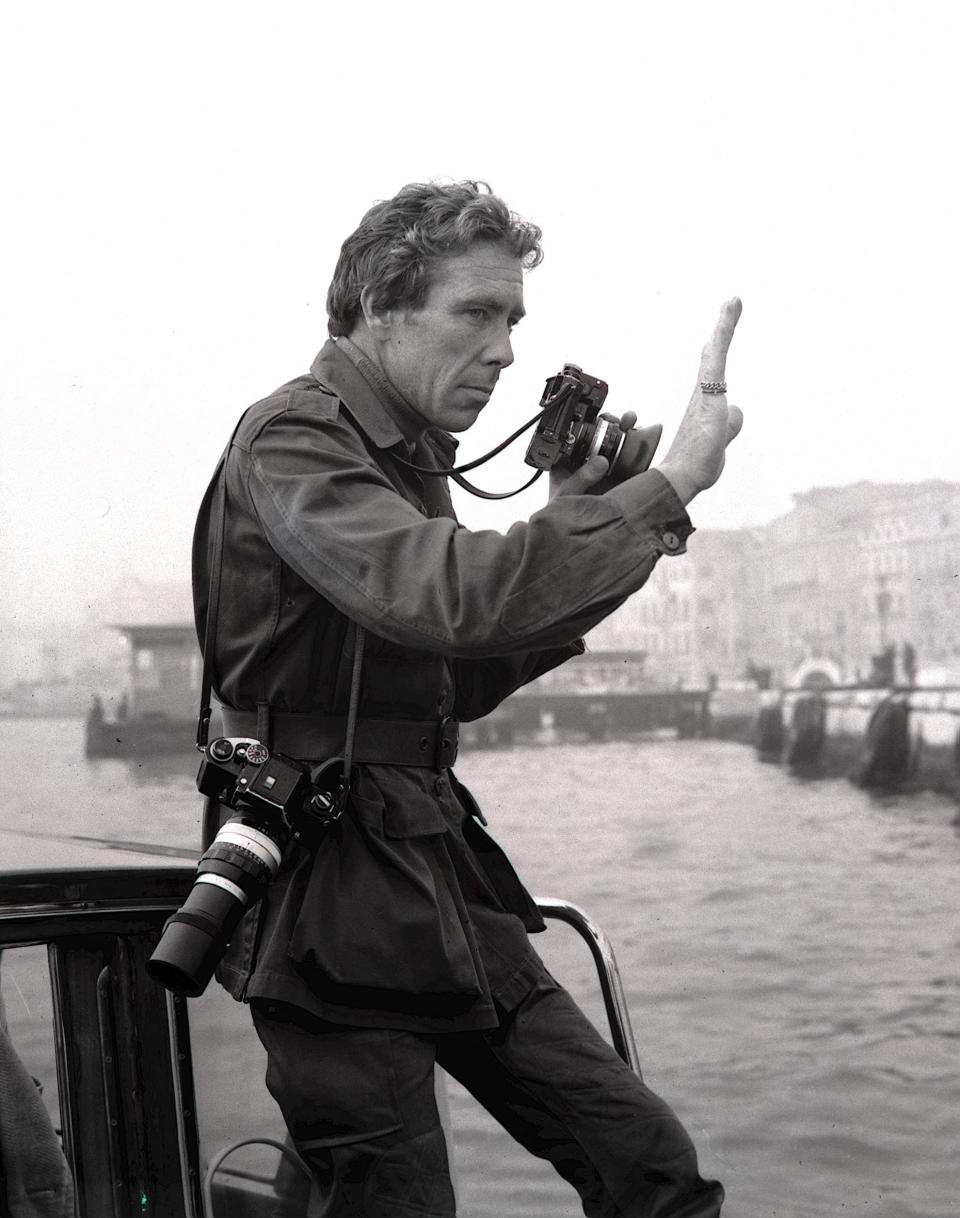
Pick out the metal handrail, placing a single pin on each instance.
(614, 998)
(215, 1163)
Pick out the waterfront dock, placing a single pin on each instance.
(897, 737)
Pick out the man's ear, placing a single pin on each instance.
(379, 321)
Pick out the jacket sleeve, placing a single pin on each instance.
(332, 514)
(482, 685)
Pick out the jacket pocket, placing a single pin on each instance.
(414, 814)
(381, 908)
(498, 869)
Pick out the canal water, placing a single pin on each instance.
(789, 950)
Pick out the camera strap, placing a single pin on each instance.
(457, 472)
(481, 494)
(216, 492)
(359, 636)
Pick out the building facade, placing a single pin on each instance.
(851, 572)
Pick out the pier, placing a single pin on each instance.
(894, 737)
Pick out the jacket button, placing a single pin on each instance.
(671, 541)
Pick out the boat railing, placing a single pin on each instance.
(608, 974)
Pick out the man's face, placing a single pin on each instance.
(445, 356)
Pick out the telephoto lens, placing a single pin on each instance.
(232, 876)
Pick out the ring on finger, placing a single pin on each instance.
(713, 386)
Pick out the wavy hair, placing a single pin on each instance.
(400, 240)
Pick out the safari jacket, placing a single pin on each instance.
(407, 914)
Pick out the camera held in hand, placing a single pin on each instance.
(572, 429)
(276, 802)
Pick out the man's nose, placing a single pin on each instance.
(500, 351)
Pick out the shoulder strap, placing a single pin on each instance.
(216, 493)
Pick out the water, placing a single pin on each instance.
(788, 948)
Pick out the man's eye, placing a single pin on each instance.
(477, 314)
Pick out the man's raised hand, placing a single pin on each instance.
(695, 459)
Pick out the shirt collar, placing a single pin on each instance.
(334, 369)
(379, 411)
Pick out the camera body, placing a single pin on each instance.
(244, 773)
(572, 429)
(276, 801)
(571, 402)
(270, 788)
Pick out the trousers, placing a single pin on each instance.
(360, 1107)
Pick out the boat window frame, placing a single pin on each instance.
(98, 929)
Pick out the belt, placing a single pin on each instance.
(308, 737)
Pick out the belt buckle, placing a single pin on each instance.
(446, 740)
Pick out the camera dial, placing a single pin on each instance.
(221, 749)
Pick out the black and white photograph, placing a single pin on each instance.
(479, 610)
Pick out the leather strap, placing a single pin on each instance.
(216, 493)
(431, 743)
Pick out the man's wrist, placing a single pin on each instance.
(684, 487)
(650, 504)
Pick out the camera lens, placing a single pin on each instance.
(607, 440)
(232, 876)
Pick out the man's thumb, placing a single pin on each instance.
(586, 477)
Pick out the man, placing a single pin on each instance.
(350, 593)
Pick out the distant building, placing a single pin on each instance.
(855, 570)
(848, 573)
(155, 709)
(165, 667)
(52, 668)
(698, 616)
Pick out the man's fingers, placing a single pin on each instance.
(734, 422)
(626, 420)
(713, 362)
(585, 478)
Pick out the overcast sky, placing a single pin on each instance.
(179, 177)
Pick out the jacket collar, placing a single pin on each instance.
(373, 403)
